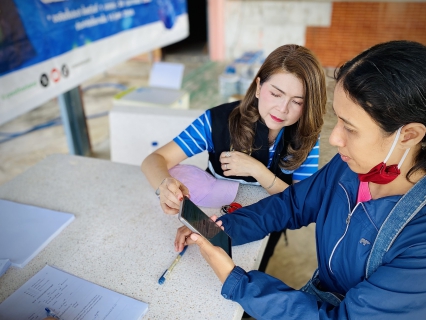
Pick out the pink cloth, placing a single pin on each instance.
(363, 192)
(204, 189)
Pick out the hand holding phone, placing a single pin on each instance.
(197, 221)
(218, 260)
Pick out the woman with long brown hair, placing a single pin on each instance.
(270, 138)
(288, 92)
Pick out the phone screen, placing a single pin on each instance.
(199, 222)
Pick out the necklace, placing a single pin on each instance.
(271, 140)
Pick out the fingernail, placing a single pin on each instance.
(194, 237)
(180, 198)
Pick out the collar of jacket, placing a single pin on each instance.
(376, 209)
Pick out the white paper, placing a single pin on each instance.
(69, 297)
(25, 230)
(166, 75)
(153, 96)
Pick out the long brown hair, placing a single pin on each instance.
(302, 63)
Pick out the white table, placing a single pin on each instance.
(121, 239)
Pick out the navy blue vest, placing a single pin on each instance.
(222, 142)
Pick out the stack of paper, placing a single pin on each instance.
(4, 265)
(25, 230)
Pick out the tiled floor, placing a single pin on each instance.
(293, 264)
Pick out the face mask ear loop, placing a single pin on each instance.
(395, 141)
(403, 158)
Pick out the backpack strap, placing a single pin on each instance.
(402, 213)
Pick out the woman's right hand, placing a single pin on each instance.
(172, 192)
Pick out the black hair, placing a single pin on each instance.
(389, 82)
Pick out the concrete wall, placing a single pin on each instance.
(265, 25)
(335, 30)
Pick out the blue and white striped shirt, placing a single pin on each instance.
(197, 137)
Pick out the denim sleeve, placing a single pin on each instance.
(295, 207)
(265, 297)
(395, 291)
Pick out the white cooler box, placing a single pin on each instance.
(133, 130)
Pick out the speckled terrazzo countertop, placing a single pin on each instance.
(120, 238)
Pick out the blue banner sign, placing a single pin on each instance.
(50, 46)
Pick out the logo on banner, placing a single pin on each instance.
(55, 75)
(44, 80)
(65, 70)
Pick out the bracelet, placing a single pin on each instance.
(273, 181)
(157, 192)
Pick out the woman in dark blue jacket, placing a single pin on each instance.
(368, 204)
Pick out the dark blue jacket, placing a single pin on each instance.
(345, 233)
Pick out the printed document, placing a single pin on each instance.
(69, 297)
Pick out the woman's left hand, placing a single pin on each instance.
(216, 257)
(182, 235)
(235, 163)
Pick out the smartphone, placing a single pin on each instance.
(197, 221)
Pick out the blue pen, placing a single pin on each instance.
(169, 270)
(50, 313)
